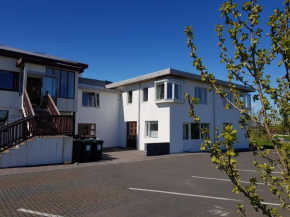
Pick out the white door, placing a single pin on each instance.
(187, 144)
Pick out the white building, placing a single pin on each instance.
(43, 95)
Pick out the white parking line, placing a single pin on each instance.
(37, 213)
(181, 194)
(254, 171)
(195, 195)
(225, 180)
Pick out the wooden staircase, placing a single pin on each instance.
(38, 121)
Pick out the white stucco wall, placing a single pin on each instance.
(106, 117)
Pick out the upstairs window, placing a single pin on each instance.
(66, 81)
(169, 90)
(9, 80)
(246, 98)
(145, 94)
(201, 94)
(130, 97)
(229, 97)
(91, 99)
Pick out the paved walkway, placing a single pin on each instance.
(110, 156)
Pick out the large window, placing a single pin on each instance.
(151, 129)
(9, 80)
(201, 94)
(87, 130)
(91, 99)
(66, 82)
(145, 94)
(3, 117)
(195, 132)
(130, 97)
(169, 90)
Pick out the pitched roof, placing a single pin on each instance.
(41, 58)
(173, 72)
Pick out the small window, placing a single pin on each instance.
(130, 96)
(195, 131)
(91, 99)
(145, 94)
(225, 125)
(9, 80)
(87, 130)
(206, 128)
(201, 94)
(3, 117)
(246, 98)
(151, 129)
(169, 90)
(160, 91)
(185, 131)
(229, 97)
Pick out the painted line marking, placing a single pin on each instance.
(254, 171)
(182, 194)
(196, 195)
(37, 213)
(226, 180)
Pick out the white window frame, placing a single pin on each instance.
(196, 94)
(96, 96)
(247, 100)
(147, 129)
(172, 99)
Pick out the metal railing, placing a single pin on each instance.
(40, 125)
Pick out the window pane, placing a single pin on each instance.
(89, 99)
(185, 131)
(206, 128)
(71, 85)
(160, 91)
(8, 80)
(49, 71)
(98, 99)
(56, 72)
(145, 94)
(201, 94)
(63, 85)
(169, 90)
(177, 91)
(152, 129)
(195, 131)
(130, 97)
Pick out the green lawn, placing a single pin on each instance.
(264, 140)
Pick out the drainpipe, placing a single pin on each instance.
(139, 105)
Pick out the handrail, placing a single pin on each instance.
(38, 125)
(27, 104)
(51, 106)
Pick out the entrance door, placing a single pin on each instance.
(131, 134)
(33, 88)
(49, 85)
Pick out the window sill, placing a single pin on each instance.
(169, 101)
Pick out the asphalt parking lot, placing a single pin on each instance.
(177, 185)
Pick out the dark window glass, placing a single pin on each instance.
(9, 80)
(98, 99)
(89, 99)
(3, 117)
(160, 91)
(169, 90)
(71, 85)
(56, 72)
(205, 128)
(130, 97)
(49, 71)
(63, 84)
(145, 94)
(194, 131)
(185, 131)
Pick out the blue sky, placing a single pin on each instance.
(119, 39)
